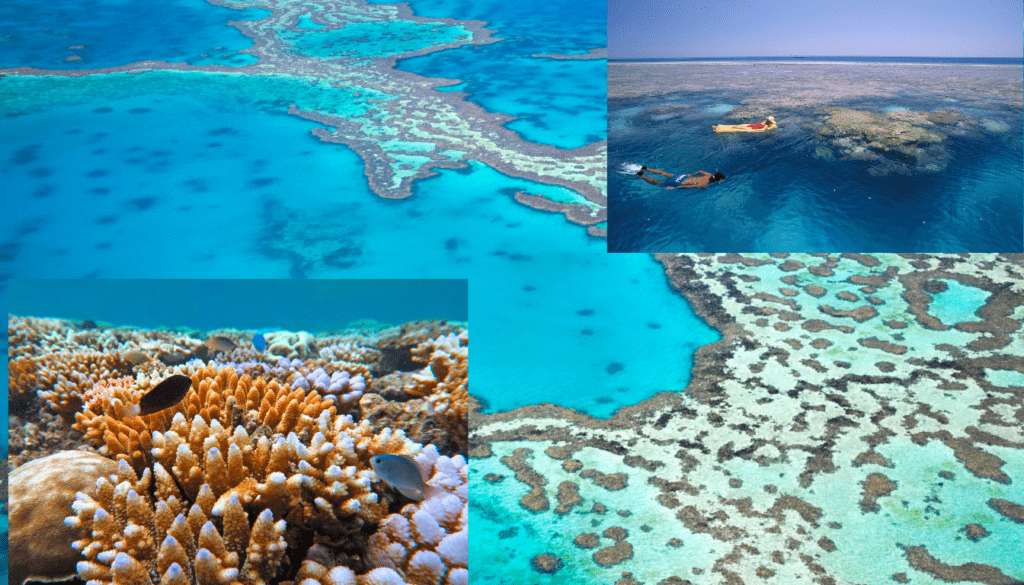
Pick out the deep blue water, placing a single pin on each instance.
(782, 194)
(310, 305)
(117, 32)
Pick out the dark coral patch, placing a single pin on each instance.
(451, 244)
(139, 111)
(586, 332)
(41, 172)
(26, 155)
(197, 185)
(585, 312)
(264, 181)
(222, 131)
(143, 203)
(100, 191)
(546, 563)
(106, 219)
(654, 325)
(343, 257)
(43, 191)
(509, 532)
(614, 368)
(529, 288)
(95, 174)
(103, 110)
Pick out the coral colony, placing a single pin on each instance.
(260, 472)
(859, 422)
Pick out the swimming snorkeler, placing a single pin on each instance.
(698, 180)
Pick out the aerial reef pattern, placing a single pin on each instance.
(333, 63)
(260, 474)
(860, 422)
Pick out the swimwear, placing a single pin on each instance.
(677, 180)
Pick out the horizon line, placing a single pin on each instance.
(825, 56)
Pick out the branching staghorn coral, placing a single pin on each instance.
(59, 362)
(134, 539)
(444, 383)
(222, 396)
(426, 543)
(279, 441)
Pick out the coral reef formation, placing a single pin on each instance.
(893, 140)
(444, 382)
(386, 116)
(859, 421)
(42, 492)
(264, 458)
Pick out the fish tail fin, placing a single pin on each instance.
(411, 493)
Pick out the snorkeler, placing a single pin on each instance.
(698, 180)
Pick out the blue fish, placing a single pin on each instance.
(259, 342)
(402, 473)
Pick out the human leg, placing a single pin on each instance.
(660, 172)
(648, 179)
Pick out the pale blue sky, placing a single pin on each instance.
(757, 28)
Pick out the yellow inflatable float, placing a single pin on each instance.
(768, 124)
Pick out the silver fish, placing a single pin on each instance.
(402, 473)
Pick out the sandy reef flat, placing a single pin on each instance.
(792, 84)
(859, 422)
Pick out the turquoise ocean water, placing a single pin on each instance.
(143, 177)
(122, 177)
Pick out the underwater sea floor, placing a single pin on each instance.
(859, 422)
(866, 157)
(264, 425)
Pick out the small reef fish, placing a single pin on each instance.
(220, 343)
(87, 324)
(402, 473)
(259, 342)
(164, 395)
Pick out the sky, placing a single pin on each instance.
(823, 28)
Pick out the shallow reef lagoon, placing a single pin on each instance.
(185, 174)
(879, 154)
(858, 423)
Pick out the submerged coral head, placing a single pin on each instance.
(402, 473)
(164, 395)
